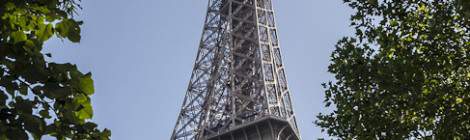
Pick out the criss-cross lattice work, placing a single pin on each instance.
(238, 76)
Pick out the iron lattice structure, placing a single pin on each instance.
(238, 78)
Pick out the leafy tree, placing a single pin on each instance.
(38, 97)
(405, 74)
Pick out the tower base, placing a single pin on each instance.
(268, 128)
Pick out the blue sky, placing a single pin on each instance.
(141, 54)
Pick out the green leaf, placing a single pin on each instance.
(373, 2)
(9, 6)
(86, 112)
(391, 53)
(394, 23)
(458, 100)
(106, 134)
(422, 8)
(3, 99)
(18, 36)
(29, 44)
(23, 106)
(23, 89)
(86, 84)
(70, 29)
(90, 125)
(44, 114)
(35, 125)
(44, 32)
(16, 134)
(52, 90)
(426, 91)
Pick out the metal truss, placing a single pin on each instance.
(238, 75)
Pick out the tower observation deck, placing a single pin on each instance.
(238, 88)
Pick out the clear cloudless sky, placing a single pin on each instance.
(141, 53)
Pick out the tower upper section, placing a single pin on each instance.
(238, 77)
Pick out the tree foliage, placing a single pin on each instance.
(38, 97)
(405, 74)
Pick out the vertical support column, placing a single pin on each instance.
(205, 79)
(278, 95)
(232, 66)
(268, 41)
(246, 67)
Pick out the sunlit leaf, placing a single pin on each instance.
(86, 83)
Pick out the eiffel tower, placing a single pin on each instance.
(238, 88)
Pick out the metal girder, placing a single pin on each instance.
(238, 75)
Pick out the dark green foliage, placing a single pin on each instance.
(37, 97)
(405, 74)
